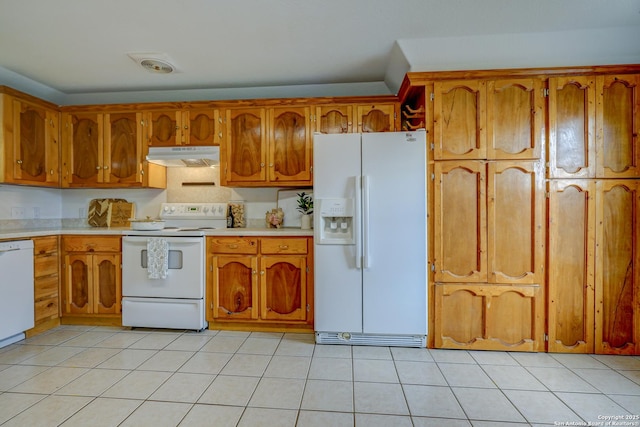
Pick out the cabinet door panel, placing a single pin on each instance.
(235, 287)
(334, 119)
(488, 317)
(511, 317)
(514, 119)
(246, 145)
(164, 129)
(123, 148)
(290, 145)
(201, 127)
(515, 223)
(617, 272)
(106, 283)
(571, 266)
(460, 222)
(459, 117)
(459, 315)
(618, 119)
(376, 118)
(83, 162)
(78, 284)
(283, 288)
(571, 127)
(30, 149)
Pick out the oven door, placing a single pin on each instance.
(185, 277)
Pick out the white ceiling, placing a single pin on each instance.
(75, 51)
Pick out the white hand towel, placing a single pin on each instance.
(157, 258)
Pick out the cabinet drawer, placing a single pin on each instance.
(44, 265)
(45, 245)
(45, 287)
(228, 245)
(91, 244)
(46, 308)
(283, 246)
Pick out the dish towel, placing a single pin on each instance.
(157, 258)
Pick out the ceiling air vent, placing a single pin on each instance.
(153, 62)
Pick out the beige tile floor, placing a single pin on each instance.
(100, 376)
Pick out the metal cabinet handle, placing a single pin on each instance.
(98, 168)
(262, 272)
(232, 246)
(19, 161)
(284, 246)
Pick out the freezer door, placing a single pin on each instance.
(337, 279)
(394, 233)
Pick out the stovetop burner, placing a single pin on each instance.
(188, 219)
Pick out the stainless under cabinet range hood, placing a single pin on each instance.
(189, 156)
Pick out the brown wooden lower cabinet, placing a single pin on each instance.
(92, 275)
(46, 278)
(489, 317)
(261, 280)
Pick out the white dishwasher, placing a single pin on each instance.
(16, 290)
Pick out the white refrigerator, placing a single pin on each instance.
(370, 238)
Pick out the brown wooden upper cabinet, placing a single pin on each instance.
(267, 147)
(31, 149)
(376, 117)
(184, 127)
(102, 149)
(593, 126)
(459, 117)
(617, 126)
(496, 119)
(334, 119)
(366, 117)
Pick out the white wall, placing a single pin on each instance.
(73, 202)
(47, 200)
(76, 201)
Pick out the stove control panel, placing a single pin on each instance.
(193, 210)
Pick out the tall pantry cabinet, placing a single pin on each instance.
(489, 217)
(594, 230)
(535, 220)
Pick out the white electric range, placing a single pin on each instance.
(163, 271)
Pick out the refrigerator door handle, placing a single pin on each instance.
(356, 228)
(365, 222)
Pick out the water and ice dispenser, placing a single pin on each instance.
(336, 221)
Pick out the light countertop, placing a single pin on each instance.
(37, 232)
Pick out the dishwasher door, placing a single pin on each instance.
(16, 290)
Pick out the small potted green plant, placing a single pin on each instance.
(305, 207)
